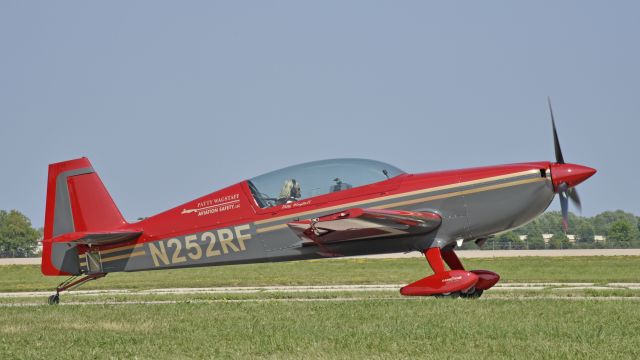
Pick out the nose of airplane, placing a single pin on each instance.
(572, 174)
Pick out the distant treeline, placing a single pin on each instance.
(17, 237)
(610, 229)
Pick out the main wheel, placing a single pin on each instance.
(476, 293)
(451, 295)
(54, 299)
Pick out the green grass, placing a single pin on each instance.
(76, 298)
(598, 269)
(376, 328)
(504, 324)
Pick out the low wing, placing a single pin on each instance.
(359, 224)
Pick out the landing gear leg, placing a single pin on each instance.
(486, 279)
(72, 283)
(452, 260)
(442, 283)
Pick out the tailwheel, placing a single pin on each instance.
(70, 284)
(54, 299)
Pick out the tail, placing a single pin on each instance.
(77, 204)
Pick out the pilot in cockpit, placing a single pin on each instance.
(290, 192)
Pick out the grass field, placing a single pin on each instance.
(541, 324)
(367, 329)
(598, 269)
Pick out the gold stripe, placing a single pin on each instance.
(421, 191)
(466, 183)
(109, 251)
(82, 256)
(430, 198)
(83, 264)
(125, 256)
(270, 228)
(459, 193)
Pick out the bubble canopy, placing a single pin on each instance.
(316, 178)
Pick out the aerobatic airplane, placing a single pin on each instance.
(329, 208)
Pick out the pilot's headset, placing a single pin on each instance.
(295, 189)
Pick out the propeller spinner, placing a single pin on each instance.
(566, 176)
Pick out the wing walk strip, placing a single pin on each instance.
(410, 202)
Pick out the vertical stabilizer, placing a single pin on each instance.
(77, 202)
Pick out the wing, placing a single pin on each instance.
(359, 224)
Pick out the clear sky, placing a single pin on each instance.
(173, 100)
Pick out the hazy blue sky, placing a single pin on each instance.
(173, 100)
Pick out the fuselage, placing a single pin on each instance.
(230, 227)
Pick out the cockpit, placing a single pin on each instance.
(316, 178)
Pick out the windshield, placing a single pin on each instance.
(317, 178)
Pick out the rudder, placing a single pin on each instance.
(77, 202)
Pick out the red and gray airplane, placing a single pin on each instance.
(341, 207)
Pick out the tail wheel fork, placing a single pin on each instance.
(456, 282)
(72, 283)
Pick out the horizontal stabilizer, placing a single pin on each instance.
(359, 224)
(107, 238)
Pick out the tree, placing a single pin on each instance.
(535, 241)
(17, 237)
(509, 240)
(585, 233)
(603, 221)
(551, 223)
(621, 233)
(559, 241)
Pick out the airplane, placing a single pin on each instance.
(328, 208)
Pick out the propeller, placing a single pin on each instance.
(565, 191)
(556, 142)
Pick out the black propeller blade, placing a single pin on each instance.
(564, 190)
(564, 205)
(556, 142)
(568, 193)
(575, 199)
